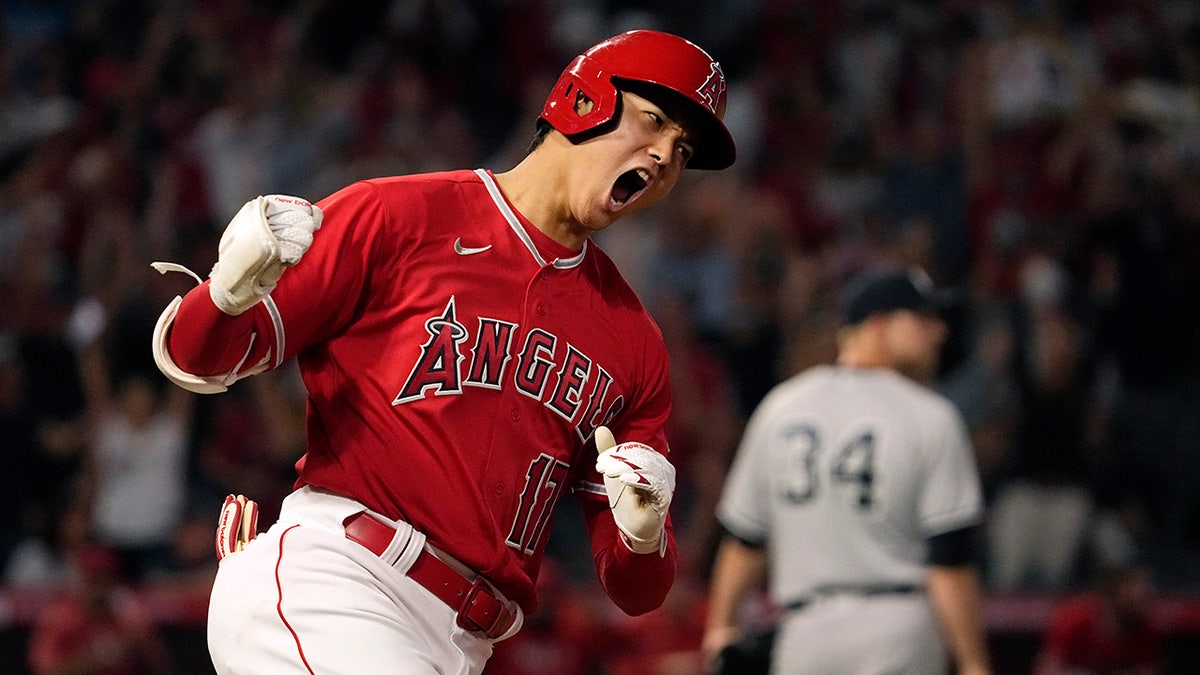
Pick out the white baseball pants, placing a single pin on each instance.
(860, 635)
(302, 598)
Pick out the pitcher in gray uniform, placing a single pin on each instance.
(855, 492)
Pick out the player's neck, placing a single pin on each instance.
(862, 359)
(865, 360)
(530, 188)
(862, 347)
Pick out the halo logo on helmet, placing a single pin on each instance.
(663, 60)
(713, 89)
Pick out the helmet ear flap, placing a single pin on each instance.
(599, 119)
(583, 98)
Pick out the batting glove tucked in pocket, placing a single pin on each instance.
(237, 526)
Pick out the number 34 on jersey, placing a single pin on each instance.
(812, 465)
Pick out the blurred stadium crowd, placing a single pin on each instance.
(1040, 158)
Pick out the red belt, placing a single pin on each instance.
(476, 604)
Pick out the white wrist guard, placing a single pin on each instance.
(205, 384)
(268, 235)
(640, 483)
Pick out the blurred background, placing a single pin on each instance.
(1040, 158)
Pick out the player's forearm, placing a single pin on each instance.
(636, 582)
(737, 570)
(206, 341)
(957, 598)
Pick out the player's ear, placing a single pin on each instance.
(583, 104)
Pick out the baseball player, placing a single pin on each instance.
(467, 352)
(855, 493)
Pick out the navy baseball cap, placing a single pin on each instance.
(891, 290)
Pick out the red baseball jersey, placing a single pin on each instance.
(457, 362)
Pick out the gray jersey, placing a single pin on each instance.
(845, 473)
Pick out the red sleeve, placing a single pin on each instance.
(206, 341)
(637, 583)
(314, 298)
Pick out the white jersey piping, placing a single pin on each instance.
(515, 224)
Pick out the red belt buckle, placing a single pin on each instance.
(482, 611)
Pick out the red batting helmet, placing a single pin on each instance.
(655, 58)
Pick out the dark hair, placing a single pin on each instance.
(539, 135)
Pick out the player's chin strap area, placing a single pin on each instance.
(208, 384)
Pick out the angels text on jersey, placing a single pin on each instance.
(440, 368)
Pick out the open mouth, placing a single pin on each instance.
(629, 185)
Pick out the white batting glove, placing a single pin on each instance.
(640, 483)
(268, 235)
(237, 526)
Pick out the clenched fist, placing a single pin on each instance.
(640, 482)
(268, 235)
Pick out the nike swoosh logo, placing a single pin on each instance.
(467, 250)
